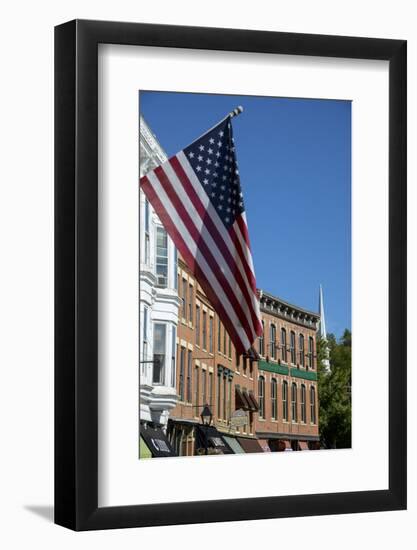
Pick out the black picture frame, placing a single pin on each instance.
(76, 271)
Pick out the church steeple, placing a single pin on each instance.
(322, 334)
(322, 324)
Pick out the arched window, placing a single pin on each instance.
(284, 345)
(313, 418)
(274, 401)
(292, 347)
(272, 339)
(294, 402)
(261, 394)
(301, 346)
(285, 400)
(261, 341)
(303, 404)
(310, 353)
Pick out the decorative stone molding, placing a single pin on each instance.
(284, 310)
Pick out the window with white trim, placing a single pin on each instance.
(159, 353)
(173, 349)
(184, 298)
(261, 394)
(197, 325)
(303, 404)
(301, 346)
(292, 347)
(285, 400)
(284, 345)
(272, 341)
(310, 353)
(313, 418)
(161, 264)
(190, 304)
(294, 415)
(274, 400)
(261, 341)
(204, 330)
(189, 369)
(181, 385)
(211, 321)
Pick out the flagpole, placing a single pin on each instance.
(237, 111)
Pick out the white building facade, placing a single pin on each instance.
(159, 300)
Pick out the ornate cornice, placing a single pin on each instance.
(151, 152)
(289, 312)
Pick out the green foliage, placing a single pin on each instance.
(335, 391)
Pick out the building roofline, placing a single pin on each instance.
(151, 139)
(263, 293)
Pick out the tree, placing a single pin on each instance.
(335, 391)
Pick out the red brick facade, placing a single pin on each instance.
(278, 390)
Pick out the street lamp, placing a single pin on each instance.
(206, 415)
(206, 418)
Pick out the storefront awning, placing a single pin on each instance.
(303, 445)
(157, 442)
(252, 399)
(144, 451)
(209, 437)
(241, 400)
(234, 444)
(250, 445)
(248, 400)
(265, 445)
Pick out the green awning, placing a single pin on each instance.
(144, 451)
(233, 444)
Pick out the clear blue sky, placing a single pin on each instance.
(295, 166)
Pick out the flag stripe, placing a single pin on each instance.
(200, 259)
(238, 338)
(214, 240)
(216, 267)
(243, 228)
(241, 246)
(228, 237)
(213, 214)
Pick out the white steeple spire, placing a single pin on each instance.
(322, 327)
(322, 330)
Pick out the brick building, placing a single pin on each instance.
(287, 376)
(263, 402)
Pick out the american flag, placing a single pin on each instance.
(198, 197)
